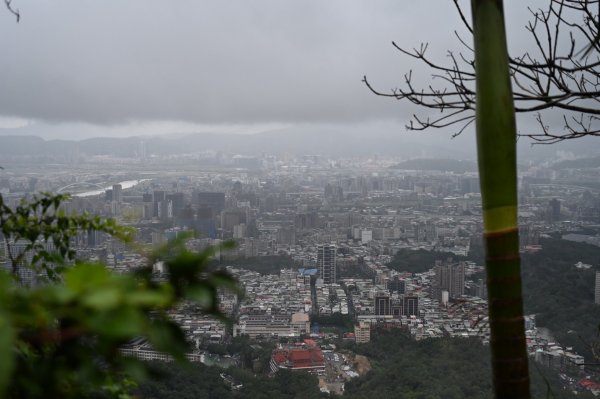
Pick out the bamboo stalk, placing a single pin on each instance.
(497, 159)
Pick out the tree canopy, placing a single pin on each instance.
(62, 338)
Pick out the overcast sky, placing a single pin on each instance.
(131, 67)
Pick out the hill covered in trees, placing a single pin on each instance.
(448, 368)
(444, 368)
(561, 295)
(558, 293)
(199, 382)
(418, 261)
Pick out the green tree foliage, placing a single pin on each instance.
(440, 368)
(253, 355)
(205, 382)
(40, 221)
(355, 270)
(561, 295)
(194, 382)
(444, 368)
(340, 322)
(62, 339)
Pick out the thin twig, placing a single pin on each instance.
(15, 12)
(550, 76)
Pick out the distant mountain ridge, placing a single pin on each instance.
(326, 143)
(442, 165)
(334, 141)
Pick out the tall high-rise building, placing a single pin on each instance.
(326, 263)
(383, 306)
(205, 222)
(597, 289)
(165, 210)
(449, 277)
(157, 197)
(410, 305)
(142, 151)
(553, 210)
(177, 199)
(231, 218)
(213, 200)
(117, 193)
(239, 230)
(362, 332)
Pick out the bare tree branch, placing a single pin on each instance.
(548, 77)
(15, 12)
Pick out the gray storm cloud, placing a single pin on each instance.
(261, 61)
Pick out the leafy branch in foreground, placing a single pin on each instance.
(43, 233)
(62, 339)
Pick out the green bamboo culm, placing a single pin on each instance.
(497, 159)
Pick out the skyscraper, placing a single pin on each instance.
(448, 277)
(142, 151)
(157, 197)
(326, 263)
(165, 210)
(383, 306)
(553, 210)
(213, 200)
(117, 193)
(177, 199)
(410, 305)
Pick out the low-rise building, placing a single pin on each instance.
(309, 359)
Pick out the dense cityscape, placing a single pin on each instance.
(281, 200)
(318, 239)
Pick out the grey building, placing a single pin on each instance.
(326, 263)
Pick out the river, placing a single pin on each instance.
(124, 184)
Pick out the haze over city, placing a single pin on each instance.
(74, 70)
(221, 182)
